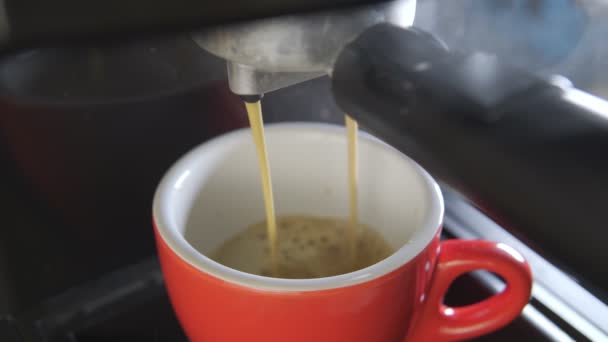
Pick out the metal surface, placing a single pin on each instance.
(273, 53)
(246, 80)
(557, 291)
(307, 43)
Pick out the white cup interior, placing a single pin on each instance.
(215, 191)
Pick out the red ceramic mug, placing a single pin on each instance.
(214, 191)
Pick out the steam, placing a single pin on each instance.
(528, 33)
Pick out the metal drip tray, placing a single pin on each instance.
(131, 303)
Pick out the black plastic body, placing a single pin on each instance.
(532, 154)
(35, 22)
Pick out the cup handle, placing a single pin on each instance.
(439, 322)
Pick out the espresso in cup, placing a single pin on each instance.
(307, 247)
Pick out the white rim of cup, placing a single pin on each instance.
(169, 232)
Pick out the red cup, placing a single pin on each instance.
(214, 191)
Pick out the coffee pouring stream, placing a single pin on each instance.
(520, 146)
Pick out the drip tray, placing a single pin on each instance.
(131, 304)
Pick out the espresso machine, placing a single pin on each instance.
(515, 147)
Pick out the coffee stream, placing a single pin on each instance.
(351, 129)
(254, 111)
(304, 246)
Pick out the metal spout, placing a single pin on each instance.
(246, 80)
(273, 53)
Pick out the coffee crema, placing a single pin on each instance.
(307, 247)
